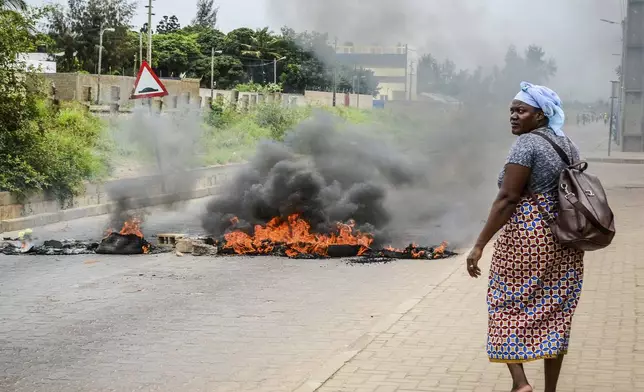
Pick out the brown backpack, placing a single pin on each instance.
(585, 220)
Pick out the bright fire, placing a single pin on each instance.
(439, 251)
(295, 235)
(132, 226)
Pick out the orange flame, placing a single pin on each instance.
(295, 234)
(132, 226)
(420, 253)
(440, 250)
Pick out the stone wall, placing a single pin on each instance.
(43, 208)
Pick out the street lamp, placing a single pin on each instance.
(100, 60)
(275, 68)
(609, 21)
(620, 83)
(212, 72)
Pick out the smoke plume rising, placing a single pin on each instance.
(167, 142)
(477, 33)
(411, 185)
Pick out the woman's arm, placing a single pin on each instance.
(514, 182)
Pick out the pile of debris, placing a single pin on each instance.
(183, 245)
(16, 246)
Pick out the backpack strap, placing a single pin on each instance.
(559, 150)
(587, 214)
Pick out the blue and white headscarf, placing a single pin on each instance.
(548, 101)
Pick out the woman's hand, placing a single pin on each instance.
(473, 262)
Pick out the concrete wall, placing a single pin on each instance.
(323, 98)
(84, 87)
(314, 98)
(42, 209)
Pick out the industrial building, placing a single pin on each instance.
(392, 67)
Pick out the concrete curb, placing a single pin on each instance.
(330, 367)
(637, 161)
(10, 225)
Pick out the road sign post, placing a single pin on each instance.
(148, 86)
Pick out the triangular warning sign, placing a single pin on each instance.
(147, 84)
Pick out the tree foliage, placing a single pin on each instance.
(444, 78)
(76, 28)
(13, 5)
(168, 25)
(206, 14)
(40, 147)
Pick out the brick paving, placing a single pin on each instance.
(439, 344)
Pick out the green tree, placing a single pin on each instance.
(76, 28)
(229, 71)
(304, 67)
(206, 14)
(357, 81)
(40, 148)
(538, 68)
(168, 25)
(15, 5)
(533, 66)
(176, 53)
(208, 39)
(264, 45)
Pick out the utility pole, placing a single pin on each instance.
(212, 74)
(335, 67)
(359, 88)
(406, 62)
(149, 7)
(355, 79)
(212, 71)
(275, 60)
(411, 78)
(100, 60)
(140, 47)
(614, 94)
(275, 71)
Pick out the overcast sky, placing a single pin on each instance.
(471, 32)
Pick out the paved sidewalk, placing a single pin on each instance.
(439, 344)
(592, 139)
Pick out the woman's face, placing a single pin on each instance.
(525, 118)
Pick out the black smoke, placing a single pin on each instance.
(324, 172)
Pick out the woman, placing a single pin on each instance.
(534, 283)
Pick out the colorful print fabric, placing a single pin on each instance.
(534, 288)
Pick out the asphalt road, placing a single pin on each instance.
(168, 323)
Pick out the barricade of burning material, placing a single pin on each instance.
(292, 237)
(128, 241)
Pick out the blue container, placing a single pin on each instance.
(378, 103)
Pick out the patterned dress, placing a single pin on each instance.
(534, 283)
